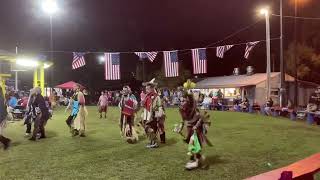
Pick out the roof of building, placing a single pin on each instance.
(6, 55)
(237, 80)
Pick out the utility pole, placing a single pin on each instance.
(282, 65)
(295, 55)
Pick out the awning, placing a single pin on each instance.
(69, 85)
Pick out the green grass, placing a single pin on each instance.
(243, 145)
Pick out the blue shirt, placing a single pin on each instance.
(75, 108)
(13, 102)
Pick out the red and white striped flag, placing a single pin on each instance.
(112, 61)
(78, 60)
(171, 64)
(199, 60)
(223, 49)
(249, 47)
(150, 55)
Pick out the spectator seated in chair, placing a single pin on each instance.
(285, 110)
(268, 107)
(220, 105)
(245, 105)
(314, 104)
(207, 101)
(236, 103)
(12, 102)
(256, 106)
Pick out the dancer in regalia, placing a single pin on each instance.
(41, 114)
(128, 105)
(73, 105)
(79, 123)
(30, 114)
(197, 124)
(153, 115)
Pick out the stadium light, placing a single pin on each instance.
(50, 7)
(27, 62)
(101, 59)
(46, 65)
(264, 11)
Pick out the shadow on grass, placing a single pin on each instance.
(15, 143)
(92, 132)
(51, 134)
(171, 142)
(215, 159)
(142, 138)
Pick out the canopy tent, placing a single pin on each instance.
(69, 85)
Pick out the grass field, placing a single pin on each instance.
(244, 144)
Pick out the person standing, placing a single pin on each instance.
(3, 118)
(152, 112)
(103, 104)
(79, 125)
(41, 114)
(128, 105)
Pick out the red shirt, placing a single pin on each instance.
(148, 100)
(24, 102)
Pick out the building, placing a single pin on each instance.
(6, 59)
(254, 87)
(9, 62)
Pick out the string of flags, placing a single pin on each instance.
(249, 47)
(149, 55)
(199, 61)
(112, 63)
(78, 60)
(171, 60)
(222, 49)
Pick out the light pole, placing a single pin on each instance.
(282, 66)
(265, 12)
(50, 7)
(295, 55)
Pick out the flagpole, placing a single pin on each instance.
(143, 66)
(16, 73)
(143, 70)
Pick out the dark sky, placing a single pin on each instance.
(129, 25)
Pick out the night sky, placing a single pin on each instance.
(127, 25)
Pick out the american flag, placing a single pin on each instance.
(112, 61)
(150, 55)
(223, 49)
(199, 60)
(171, 64)
(249, 47)
(78, 60)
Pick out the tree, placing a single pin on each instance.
(308, 61)
(174, 82)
